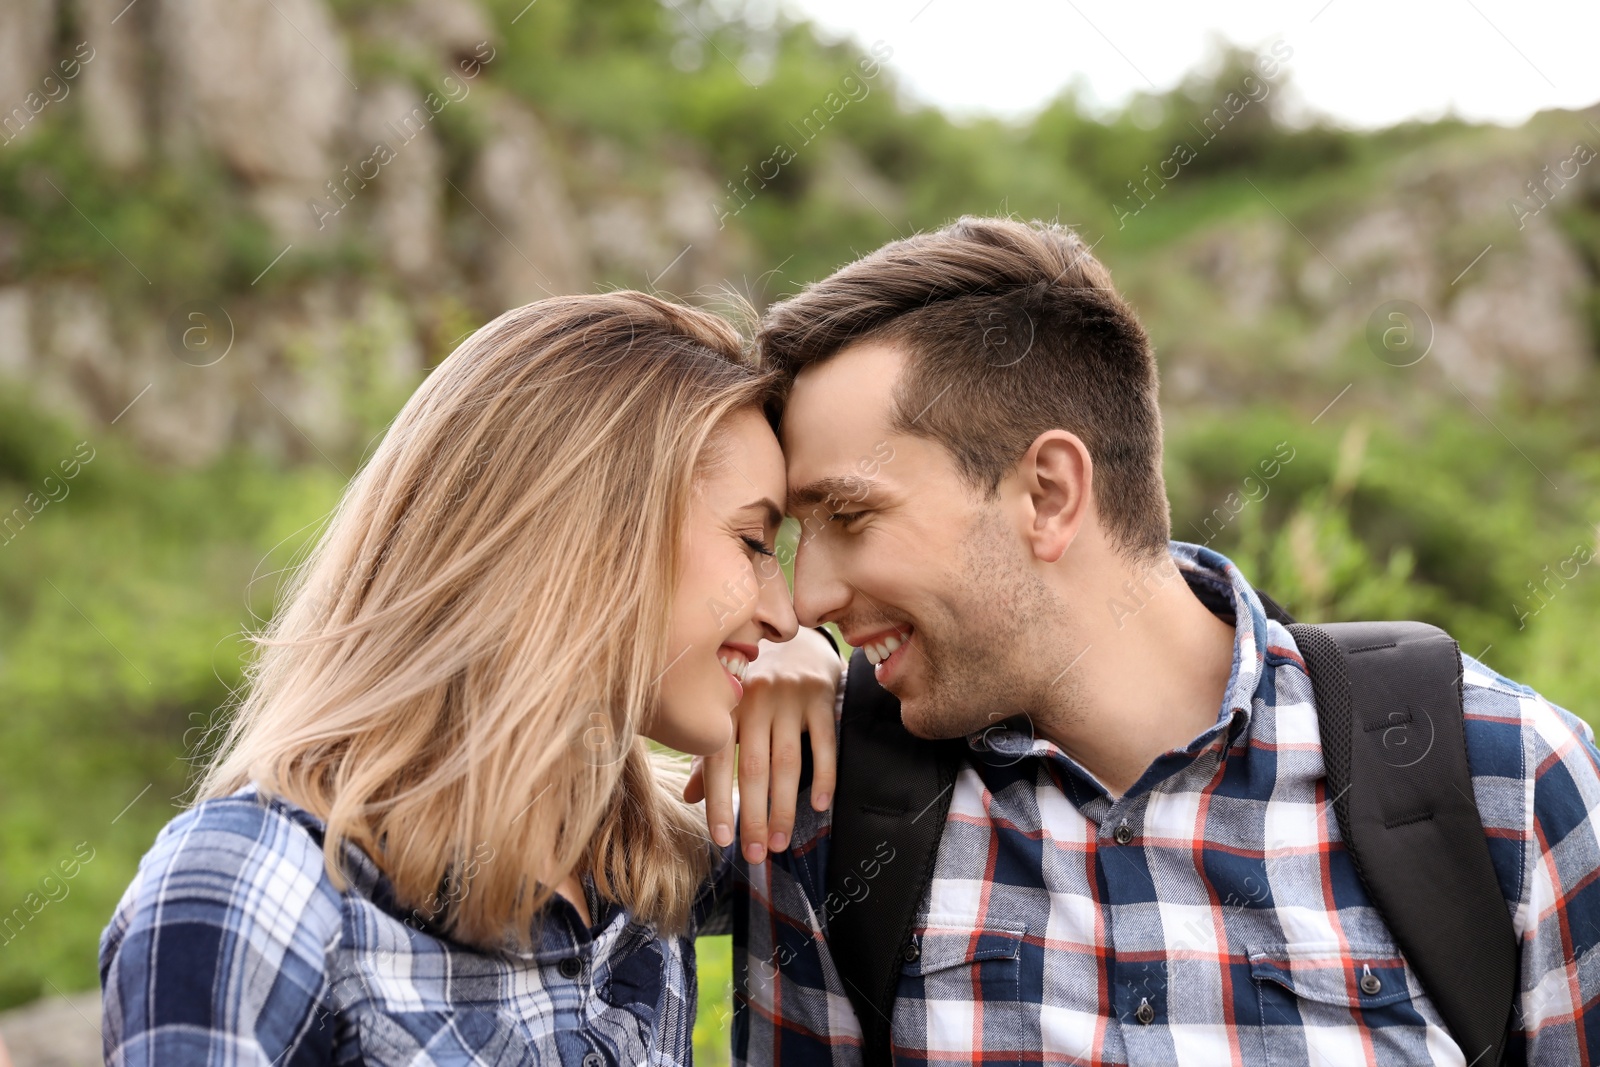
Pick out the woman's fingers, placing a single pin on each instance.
(788, 689)
(716, 777)
(824, 748)
(788, 724)
(694, 790)
(755, 741)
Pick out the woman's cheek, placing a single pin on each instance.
(735, 598)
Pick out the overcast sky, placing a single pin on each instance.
(1365, 62)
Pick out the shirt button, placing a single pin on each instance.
(1370, 984)
(570, 967)
(1123, 834)
(1146, 1014)
(912, 951)
(594, 1059)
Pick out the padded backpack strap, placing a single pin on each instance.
(1389, 706)
(893, 793)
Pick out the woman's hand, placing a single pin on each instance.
(790, 689)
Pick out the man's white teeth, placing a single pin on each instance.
(735, 665)
(881, 651)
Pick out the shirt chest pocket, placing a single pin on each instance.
(961, 989)
(1326, 1003)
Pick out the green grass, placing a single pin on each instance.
(714, 1016)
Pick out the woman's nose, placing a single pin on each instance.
(774, 605)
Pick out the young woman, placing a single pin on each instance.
(436, 831)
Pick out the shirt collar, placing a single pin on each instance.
(1216, 580)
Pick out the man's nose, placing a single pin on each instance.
(820, 593)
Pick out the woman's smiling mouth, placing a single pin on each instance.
(735, 660)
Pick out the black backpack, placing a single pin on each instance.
(1413, 832)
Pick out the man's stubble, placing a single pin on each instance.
(1004, 648)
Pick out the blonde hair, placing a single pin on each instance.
(468, 656)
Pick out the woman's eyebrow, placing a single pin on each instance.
(769, 510)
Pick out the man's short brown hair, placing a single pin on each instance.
(1010, 329)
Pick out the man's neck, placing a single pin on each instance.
(1151, 679)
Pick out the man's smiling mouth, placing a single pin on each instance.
(884, 649)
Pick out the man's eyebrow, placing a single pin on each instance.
(770, 510)
(843, 488)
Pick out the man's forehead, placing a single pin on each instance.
(841, 402)
(837, 427)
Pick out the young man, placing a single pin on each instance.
(1141, 861)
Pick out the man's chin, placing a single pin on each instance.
(922, 722)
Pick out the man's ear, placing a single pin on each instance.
(1059, 476)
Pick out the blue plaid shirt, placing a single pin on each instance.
(233, 947)
(1210, 915)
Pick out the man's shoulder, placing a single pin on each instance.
(1536, 781)
(1513, 732)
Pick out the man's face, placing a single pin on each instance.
(908, 557)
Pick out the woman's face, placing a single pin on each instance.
(731, 592)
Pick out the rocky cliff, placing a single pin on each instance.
(326, 159)
(383, 134)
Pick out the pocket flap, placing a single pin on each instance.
(942, 946)
(1329, 974)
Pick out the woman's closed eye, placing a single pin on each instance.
(756, 544)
